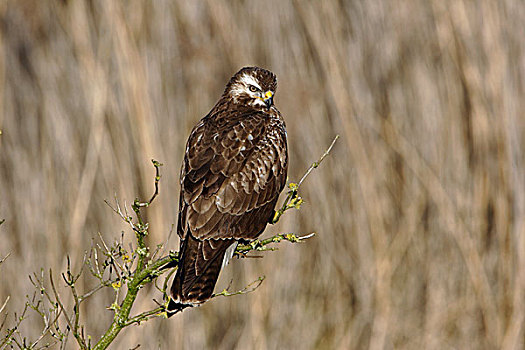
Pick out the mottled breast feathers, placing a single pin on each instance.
(232, 167)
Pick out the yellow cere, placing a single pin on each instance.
(268, 94)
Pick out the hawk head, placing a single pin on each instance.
(252, 86)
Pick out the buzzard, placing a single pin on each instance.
(233, 171)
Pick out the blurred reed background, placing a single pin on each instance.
(420, 208)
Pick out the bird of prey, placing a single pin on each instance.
(233, 171)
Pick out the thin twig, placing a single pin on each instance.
(146, 315)
(81, 342)
(292, 199)
(248, 289)
(157, 165)
(3, 322)
(261, 245)
(49, 322)
(4, 258)
(14, 331)
(4, 304)
(168, 239)
(70, 280)
(316, 164)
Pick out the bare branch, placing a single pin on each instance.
(316, 164)
(73, 326)
(4, 258)
(248, 289)
(262, 245)
(157, 165)
(4, 304)
(146, 315)
(292, 199)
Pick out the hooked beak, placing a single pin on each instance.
(268, 99)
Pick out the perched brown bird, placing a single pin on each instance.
(234, 168)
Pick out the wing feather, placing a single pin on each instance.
(230, 172)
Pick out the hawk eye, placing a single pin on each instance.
(253, 88)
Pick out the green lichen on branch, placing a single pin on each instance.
(263, 245)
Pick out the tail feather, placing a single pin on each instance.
(199, 266)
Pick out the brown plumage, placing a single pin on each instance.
(234, 168)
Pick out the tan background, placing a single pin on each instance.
(419, 210)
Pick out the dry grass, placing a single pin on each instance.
(420, 209)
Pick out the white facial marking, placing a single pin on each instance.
(249, 80)
(242, 86)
